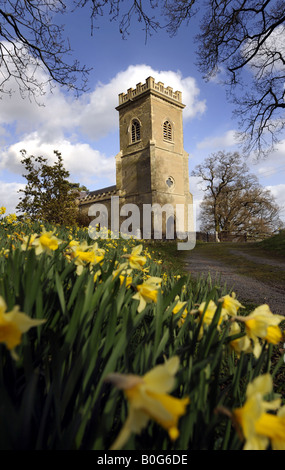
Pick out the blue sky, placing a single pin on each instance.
(85, 130)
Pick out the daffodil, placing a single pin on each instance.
(27, 241)
(230, 304)
(45, 242)
(2, 210)
(12, 325)
(97, 275)
(262, 325)
(242, 344)
(120, 268)
(147, 292)
(48, 241)
(124, 273)
(85, 255)
(206, 312)
(136, 260)
(125, 277)
(73, 242)
(11, 218)
(149, 399)
(180, 306)
(259, 428)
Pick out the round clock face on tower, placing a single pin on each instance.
(170, 182)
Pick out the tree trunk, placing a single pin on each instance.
(217, 236)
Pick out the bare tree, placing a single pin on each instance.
(124, 13)
(234, 200)
(246, 39)
(33, 50)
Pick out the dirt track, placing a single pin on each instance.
(247, 289)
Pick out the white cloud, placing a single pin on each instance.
(93, 114)
(64, 123)
(9, 196)
(271, 166)
(270, 54)
(86, 165)
(99, 115)
(266, 171)
(96, 115)
(278, 192)
(229, 139)
(54, 116)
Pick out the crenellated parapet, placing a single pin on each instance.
(151, 86)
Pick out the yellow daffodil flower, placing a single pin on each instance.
(97, 275)
(126, 277)
(147, 292)
(136, 261)
(12, 325)
(2, 210)
(259, 428)
(274, 334)
(177, 308)
(84, 254)
(73, 242)
(242, 344)
(230, 304)
(208, 316)
(11, 218)
(209, 313)
(27, 241)
(119, 268)
(149, 398)
(124, 274)
(46, 241)
(262, 325)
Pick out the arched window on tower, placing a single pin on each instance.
(136, 131)
(167, 131)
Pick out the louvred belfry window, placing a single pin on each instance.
(136, 131)
(167, 130)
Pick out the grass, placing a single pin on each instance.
(274, 245)
(168, 253)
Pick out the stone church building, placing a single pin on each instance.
(152, 165)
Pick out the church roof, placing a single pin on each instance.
(98, 193)
(108, 189)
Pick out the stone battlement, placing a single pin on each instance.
(150, 85)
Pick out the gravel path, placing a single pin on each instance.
(247, 289)
(256, 259)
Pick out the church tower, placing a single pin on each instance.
(152, 165)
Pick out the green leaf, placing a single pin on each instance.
(60, 292)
